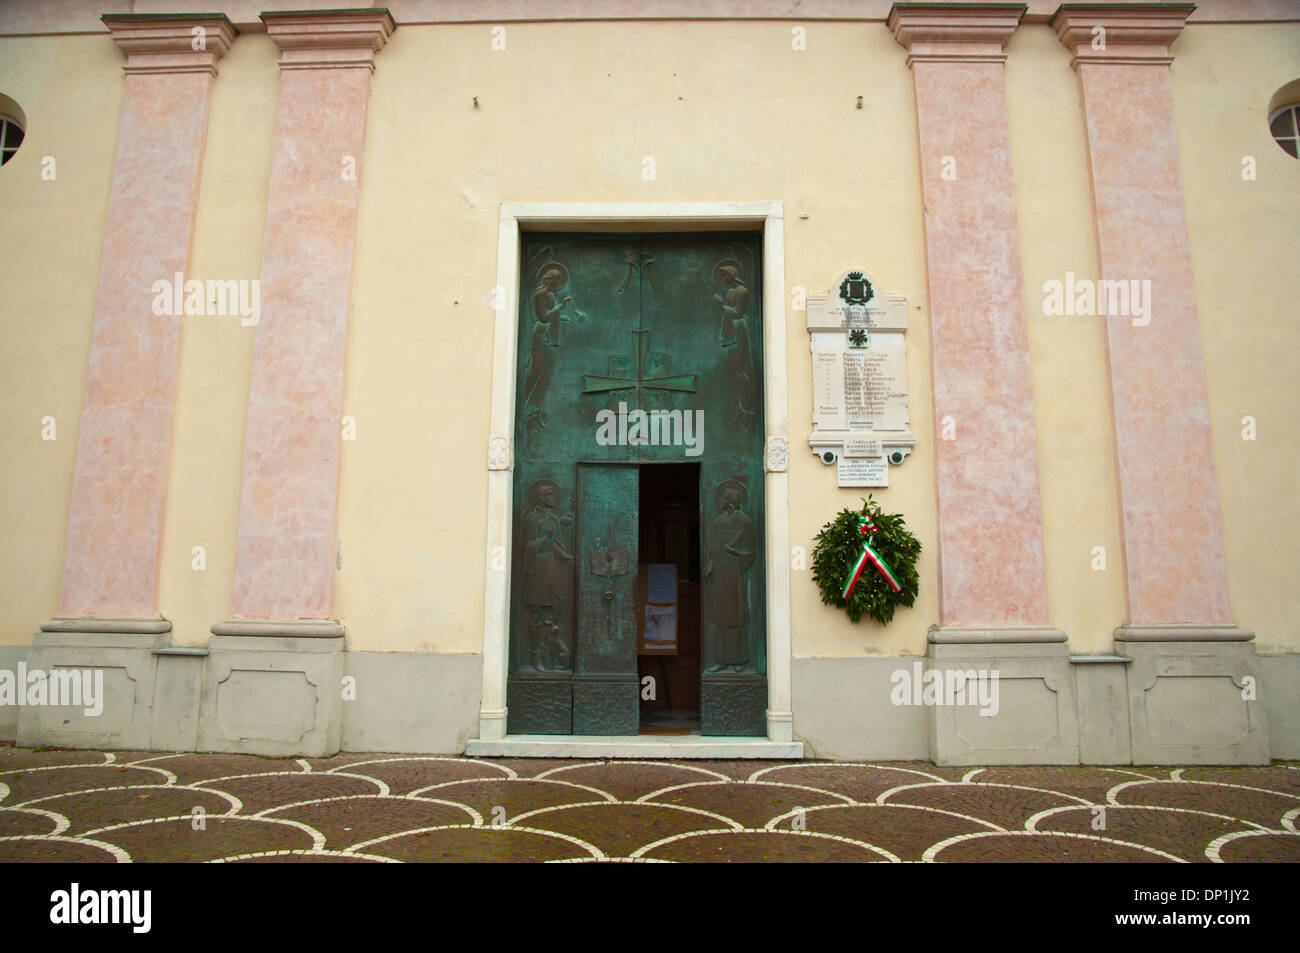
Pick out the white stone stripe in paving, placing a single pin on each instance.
(930, 854)
(61, 823)
(487, 828)
(645, 798)
(121, 856)
(1213, 848)
(611, 804)
(675, 838)
(510, 772)
(1031, 825)
(771, 825)
(318, 839)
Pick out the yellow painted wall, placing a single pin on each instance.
(729, 112)
(51, 233)
(567, 112)
(1068, 362)
(1245, 242)
(217, 352)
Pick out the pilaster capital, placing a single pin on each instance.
(330, 39)
(955, 32)
(1120, 32)
(170, 43)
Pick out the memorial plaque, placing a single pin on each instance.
(859, 357)
(863, 471)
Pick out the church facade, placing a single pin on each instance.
(477, 378)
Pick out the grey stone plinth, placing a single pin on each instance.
(733, 706)
(273, 695)
(125, 662)
(1193, 695)
(1101, 689)
(409, 701)
(1279, 690)
(606, 705)
(843, 711)
(1033, 720)
(177, 698)
(540, 704)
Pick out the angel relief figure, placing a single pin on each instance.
(548, 314)
(732, 548)
(548, 580)
(733, 337)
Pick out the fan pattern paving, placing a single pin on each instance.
(144, 806)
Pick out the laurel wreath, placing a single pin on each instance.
(838, 547)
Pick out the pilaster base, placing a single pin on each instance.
(1192, 694)
(275, 695)
(1018, 703)
(119, 657)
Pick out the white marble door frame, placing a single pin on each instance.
(630, 216)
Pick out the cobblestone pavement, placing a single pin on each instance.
(62, 805)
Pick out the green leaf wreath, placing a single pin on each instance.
(838, 548)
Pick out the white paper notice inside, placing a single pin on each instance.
(661, 626)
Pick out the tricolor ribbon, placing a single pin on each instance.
(867, 528)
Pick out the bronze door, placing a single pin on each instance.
(634, 350)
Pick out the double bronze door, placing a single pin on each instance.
(634, 351)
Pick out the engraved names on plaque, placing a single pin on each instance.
(859, 355)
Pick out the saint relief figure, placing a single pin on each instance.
(549, 317)
(548, 580)
(733, 337)
(731, 545)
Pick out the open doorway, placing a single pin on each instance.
(668, 598)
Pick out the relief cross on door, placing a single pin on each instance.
(641, 372)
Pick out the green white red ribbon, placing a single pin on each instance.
(867, 528)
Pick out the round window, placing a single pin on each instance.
(1284, 124)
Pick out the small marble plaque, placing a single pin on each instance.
(863, 471)
(863, 447)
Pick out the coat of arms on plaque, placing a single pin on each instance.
(855, 289)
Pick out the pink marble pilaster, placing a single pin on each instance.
(115, 519)
(285, 562)
(1169, 494)
(990, 514)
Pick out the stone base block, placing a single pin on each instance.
(123, 670)
(177, 695)
(733, 706)
(273, 695)
(1279, 690)
(843, 710)
(1024, 709)
(1101, 690)
(10, 656)
(540, 705)
(606, 704)
(411, 702)
(1193, 695)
